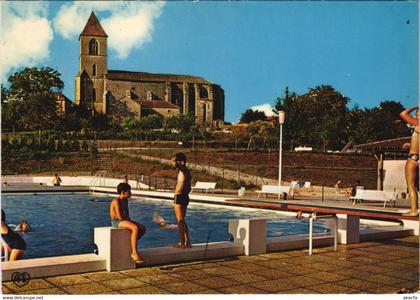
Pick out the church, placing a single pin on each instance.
(122, 94)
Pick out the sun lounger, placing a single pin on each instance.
(275, 189)
(373, 195)
(204, 186)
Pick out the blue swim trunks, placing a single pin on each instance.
(115, 223)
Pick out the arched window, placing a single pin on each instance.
(94, 70)
(93, 95)
(93, 47)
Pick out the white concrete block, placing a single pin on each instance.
(53, 266)
(348, 229)
(412, 224)
(251, 234)
(114, 246)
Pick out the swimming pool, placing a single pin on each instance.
(63, 224)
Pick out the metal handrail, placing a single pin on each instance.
(98, 176)
(314, 217)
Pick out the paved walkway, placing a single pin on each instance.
(378, 267)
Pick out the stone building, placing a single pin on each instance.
(125, 93)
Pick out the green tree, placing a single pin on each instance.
(9, 112)
(294, 128)
(99, 122)
(150, 122)
(31, 98)
(378, 123)
(252, 115)
(129, 123)
(182, 123)
(265, 131)
(327, 113)
(318, 118)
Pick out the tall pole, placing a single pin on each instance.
(280, 152)
(281, 121)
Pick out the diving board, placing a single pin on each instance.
(346, 214)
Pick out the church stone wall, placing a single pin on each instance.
(87, 61)
(138, 89)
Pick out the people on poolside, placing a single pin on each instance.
(338, 185)
(162, 222)
(120, 218)
(125, 180)
(181, 199)
(354, 188)
(23, 226)
(56, 180)
(412, 163)
(14, 244)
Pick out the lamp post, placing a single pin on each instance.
(281, 122)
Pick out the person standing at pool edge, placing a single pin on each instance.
(120, 218)
(56, 180)
(181, 198)
(412, 164)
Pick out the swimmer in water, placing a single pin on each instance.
(162, 222)
(23, 226)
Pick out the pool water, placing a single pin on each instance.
(63, 224)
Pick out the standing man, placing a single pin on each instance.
(181, 199)
(56, 180)
(412, 164)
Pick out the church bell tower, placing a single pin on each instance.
(90, 80)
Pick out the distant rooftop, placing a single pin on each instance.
(93, 27)
(156, 104)
(143, 76)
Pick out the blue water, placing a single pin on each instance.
(63, 224)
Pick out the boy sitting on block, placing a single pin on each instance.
(120, 218)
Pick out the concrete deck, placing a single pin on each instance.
(379, 267)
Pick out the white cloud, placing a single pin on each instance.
(25, 35)
(266, 108)
(129, 25)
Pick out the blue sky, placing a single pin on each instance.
(366, 50)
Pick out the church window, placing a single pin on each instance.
(94, 70)
(149, 95)
(93, 95)
(93, 47)
(203, 92)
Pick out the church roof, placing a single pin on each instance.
(156, 104)
(93, 27)
(143, 76)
